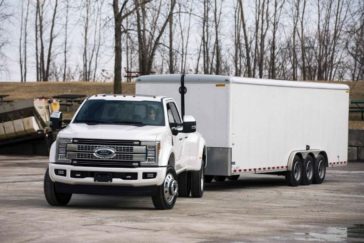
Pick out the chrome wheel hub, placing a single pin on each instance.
(170, 188)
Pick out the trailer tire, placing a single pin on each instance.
(319, 169)
(166, 194)
(208, 179)
(307, 173)
(184, 184)
(294, 176)
(220, 178)
(52, 196)
(197, 182)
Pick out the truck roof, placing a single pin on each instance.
(202, 78)
(126, 97)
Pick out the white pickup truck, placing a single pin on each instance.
(117, 144)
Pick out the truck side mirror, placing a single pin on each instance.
(56, 120)
(189, 124)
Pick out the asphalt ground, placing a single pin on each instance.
(255, 208)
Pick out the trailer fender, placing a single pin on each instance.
(303, 154)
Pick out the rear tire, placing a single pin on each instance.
(52, 196)
(294, 177)
(184, 184)
(166, 194)
(319, 169)
(307, 173)
(197, 182)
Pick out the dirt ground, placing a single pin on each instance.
(253, 209)
(33, 90)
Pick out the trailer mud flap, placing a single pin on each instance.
(218, 161)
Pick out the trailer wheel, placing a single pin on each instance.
(220, 178)
(208, 179)
(166, 194)
(233, 178)
(54, 198)
(184, 184)
(319, 171)
(307, 174)
(294, 177)
(197, 182)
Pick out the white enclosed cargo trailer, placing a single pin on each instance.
(291, 128)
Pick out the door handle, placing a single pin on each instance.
(180, 139)
(186, 137)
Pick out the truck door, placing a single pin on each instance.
(175, 122)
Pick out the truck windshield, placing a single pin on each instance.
(137, 113)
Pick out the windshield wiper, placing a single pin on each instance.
(134, 123)
(89, 122)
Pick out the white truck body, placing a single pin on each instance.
(258, 125)
(113, 146)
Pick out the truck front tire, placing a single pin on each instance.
(54, 198)
(166, 194)
(197, 182)
(294, 176)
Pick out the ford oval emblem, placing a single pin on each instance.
(104, 153)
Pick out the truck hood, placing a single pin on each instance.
(114, 132)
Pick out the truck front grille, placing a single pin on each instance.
(126, 153)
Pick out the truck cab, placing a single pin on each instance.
(118, 144)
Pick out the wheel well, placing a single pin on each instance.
(312, 155)
(204, 157)
(171, 161)
(299, 155)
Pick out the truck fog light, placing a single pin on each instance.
(149, 175)
(60, 172)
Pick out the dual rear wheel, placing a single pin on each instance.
(307, 171)
(191, 183)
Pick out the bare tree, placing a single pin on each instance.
(120, 14)
(65, 46)
(150, 28)
(247, 44)
(5, 16)
(273, 46)
(217, 48)
(44, 56)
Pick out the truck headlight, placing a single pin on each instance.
(62, 150)
(152, 153)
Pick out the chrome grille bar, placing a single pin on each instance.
(118, 148)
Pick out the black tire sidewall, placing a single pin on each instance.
(316, 176)
(305, 179)
(291, 180)
(197, 188)
(158, 197)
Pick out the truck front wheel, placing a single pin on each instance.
(166, 194)
(294, 177)
(197, 182)
(54, 198)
